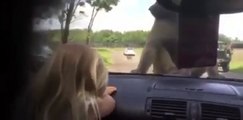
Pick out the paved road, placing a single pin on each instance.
(122, 64)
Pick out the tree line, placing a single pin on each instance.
(104, 38)
(66, 15)
(109, 38)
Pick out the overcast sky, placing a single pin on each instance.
(134, 15)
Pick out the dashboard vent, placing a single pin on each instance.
(168, 110)
(218, 112)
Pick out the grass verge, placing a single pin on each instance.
(105, 53)
(236, 64)
(236, 67)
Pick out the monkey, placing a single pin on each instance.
(160, 49)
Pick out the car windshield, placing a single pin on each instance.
(120, 30)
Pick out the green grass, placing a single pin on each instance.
(236, 65)
(105, 53)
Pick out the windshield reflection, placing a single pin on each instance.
(120, 35)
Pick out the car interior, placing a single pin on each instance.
(164, 97)
(156, 97)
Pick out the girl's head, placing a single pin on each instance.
(68, 86)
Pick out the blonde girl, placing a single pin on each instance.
(72, 86)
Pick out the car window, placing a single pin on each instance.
(125, 25)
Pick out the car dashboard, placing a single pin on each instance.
(157, 97)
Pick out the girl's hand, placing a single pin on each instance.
(107, 103)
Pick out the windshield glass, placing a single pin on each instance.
(120, 31)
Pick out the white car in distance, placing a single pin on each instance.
(129, 52)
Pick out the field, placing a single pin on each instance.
(115, 60)
(236, 64)
(106, 55)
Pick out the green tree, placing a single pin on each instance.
(77, 35)
(135, 38)
(106, 38)
(97, 6)
(224, 38)
(66, 17)
(100, 37)
(236, 39)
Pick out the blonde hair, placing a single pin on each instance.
(68, 86)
